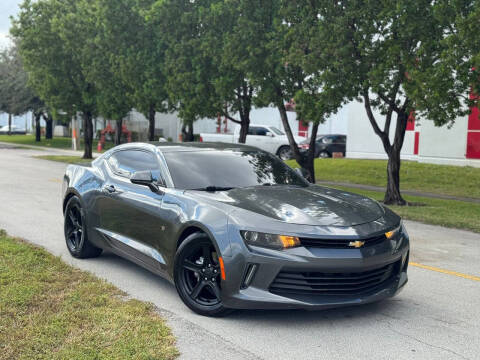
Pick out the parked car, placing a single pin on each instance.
(264, 137)
(233, 227)
(16, 130)
(326, 145)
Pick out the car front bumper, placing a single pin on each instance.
(303, 260)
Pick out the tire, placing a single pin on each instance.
(75, 230)
(197, 276)
(323, 154)
(284, 153)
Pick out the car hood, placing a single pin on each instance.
(312, 205)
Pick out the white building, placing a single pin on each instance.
(424, 142)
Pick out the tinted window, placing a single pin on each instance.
(126, 162)
(255, 130)
(195, 170)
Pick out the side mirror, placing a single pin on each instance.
(144, 178)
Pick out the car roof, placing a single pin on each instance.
(167, 147)
(200, 146)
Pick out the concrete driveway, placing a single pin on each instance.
(435, 317)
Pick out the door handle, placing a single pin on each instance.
(109, 189)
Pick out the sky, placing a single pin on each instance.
(7, 9)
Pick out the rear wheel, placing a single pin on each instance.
(197, 276)
(76, 231)
(284, 153)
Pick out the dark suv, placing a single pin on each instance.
(326, 145)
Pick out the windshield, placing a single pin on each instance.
(276, 131)
(228, 169)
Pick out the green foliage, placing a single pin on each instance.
(202, 78)
(16, 97)
(50, 41)
(384, 53)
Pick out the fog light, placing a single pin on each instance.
(249, 274)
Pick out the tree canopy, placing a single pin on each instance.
(381, 53)
(209, 58)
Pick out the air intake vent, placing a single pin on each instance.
(320, 283)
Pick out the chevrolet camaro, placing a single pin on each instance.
(234, 227)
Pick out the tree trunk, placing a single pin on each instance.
(9, 124)
(87, 135)
(190, 136)
(309, 160)
(392, 194)
(37, 127)
(244, 126)
(48, 126)
(242, 138)
(118, 132)
(151, 123)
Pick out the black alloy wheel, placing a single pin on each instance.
(74, 228)
(198, 275)
(75, 231)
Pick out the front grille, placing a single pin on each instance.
(339, 243)
(321, 283)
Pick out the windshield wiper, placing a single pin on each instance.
(214, 188)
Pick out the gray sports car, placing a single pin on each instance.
(233, 227)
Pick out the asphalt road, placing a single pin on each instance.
(437, 316)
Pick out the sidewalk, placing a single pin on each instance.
(59, 151)
(406, 192)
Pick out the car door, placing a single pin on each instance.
(338, 144)
(131, 214)
(257, 136)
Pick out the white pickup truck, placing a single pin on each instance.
(264, 137)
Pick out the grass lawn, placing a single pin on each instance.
(50, 310)
(56, 142)
(449, 213)
(440, 179)
(65, 159)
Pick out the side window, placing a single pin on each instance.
(342, 139)
(327, 140)
(126, 162)
(261, 131)
(252, 130)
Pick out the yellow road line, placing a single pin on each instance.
(449, 272)
(55, 180)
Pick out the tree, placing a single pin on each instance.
(375, 51)
(51, 39)
(258, 46)
(202, 81)
(16, 97)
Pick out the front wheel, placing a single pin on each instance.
(323, 154)
(197, 276)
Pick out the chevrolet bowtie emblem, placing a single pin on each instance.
(356, 244)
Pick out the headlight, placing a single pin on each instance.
(396, 236)
(393, 233)
(271, 241)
